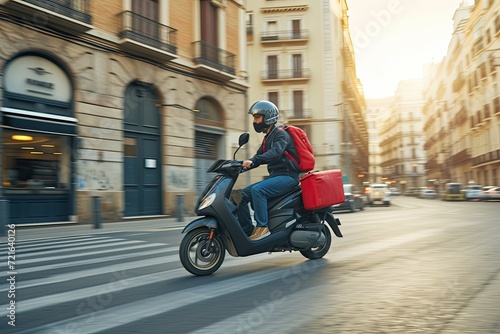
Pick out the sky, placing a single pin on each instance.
(394, 39)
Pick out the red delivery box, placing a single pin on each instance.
(322, 189)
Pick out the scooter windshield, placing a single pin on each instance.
(217, 165)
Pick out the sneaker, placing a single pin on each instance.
(259, 233)
(251, 232)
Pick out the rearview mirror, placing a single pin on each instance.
(244, 137)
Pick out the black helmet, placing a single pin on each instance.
(266, 108)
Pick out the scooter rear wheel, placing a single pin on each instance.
(314, 253)
(198, 255)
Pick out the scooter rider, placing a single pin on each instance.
(283, 173)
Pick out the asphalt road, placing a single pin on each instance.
(418, 266)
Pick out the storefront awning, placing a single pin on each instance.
(39, 122)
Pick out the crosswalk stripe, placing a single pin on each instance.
(95, 260)
(23, 250)
(136, 311)
(115, 286)
(33, 243)
(80, 248)
(93, 272)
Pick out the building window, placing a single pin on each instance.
(274, 98)
(298, 111)
(272, 28)
(297, 65)
(209, 22)
(209, 112)
(272, 67)
(35, 161)
(249, 23)
(296, 29)
(145, 22)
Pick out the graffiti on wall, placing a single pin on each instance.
(180, 179)
(93, 176)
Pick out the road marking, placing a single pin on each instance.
(115, 287)
(94, 260)
(23, 250)
(124, 314)
(38, 242)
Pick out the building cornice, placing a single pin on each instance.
(285, 9)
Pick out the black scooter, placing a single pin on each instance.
(293, 228)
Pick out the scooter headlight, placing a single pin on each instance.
(207, 201)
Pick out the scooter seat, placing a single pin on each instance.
(273, 201)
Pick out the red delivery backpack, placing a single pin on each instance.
(303, 148)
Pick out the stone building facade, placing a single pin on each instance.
(301, 58)
(125, 101)
(462, 100)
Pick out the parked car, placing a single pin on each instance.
(428, 193)
(353, 199)
(378, 194)
(492, 193)
(395, 191)
(486, 188)
(412, 191)
(473, 192)
(421, 191)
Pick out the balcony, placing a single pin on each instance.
(145, 37)
(70, 15)
(284, 36)
(212, 61)
(461, 157)
(298, 114)
(285, 75)
(458, 82)
(487, 158)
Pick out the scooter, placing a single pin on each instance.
(293, 228)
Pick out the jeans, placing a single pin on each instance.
(258, 193)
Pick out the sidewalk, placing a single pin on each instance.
(55, 231)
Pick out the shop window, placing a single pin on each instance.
(34, 160)
(209, 112)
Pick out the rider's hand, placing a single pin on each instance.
(247, 164)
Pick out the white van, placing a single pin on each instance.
(378, 194)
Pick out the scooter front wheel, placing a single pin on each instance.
(199, 255)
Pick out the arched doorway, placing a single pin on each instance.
(142, 151)
(209, 139)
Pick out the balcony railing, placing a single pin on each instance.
(249, 29)
(291, 74)
(75, 9)
(285, 35)
(490, 157)
(70, 16)
(461, 157)
(148, 32)
(298, 113)
(211, 56)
